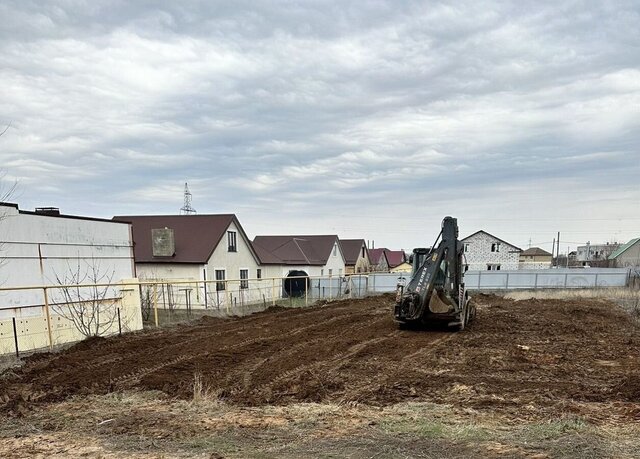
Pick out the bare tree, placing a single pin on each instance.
(5, 194)
(93, 310)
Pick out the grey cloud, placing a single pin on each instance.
(392, 112)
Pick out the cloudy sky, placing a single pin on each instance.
(366, 119)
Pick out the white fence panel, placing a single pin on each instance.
(547, 278)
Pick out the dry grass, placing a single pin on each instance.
(150, 424)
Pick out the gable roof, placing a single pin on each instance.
(375, 255)
(536, 251)
(395, 257)
(196, 236)
(489, 234)
(622, 248)
(312, 250)
(351, 249)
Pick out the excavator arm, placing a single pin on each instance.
(436, 291)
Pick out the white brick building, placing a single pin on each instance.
(485, 252)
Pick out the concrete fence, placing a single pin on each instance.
(547, 278)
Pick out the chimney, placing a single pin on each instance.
(50, 211)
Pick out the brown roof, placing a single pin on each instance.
(351, 249)
(196, 236)
(376, 254)
(536, 251)
(294, 250)
(395, 257)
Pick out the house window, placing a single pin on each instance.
(493, 267)
(244, 278)
(335, 250)
(322, 272)
(330, 272)
(340, 272)
(362, 251)
(219, 277)
(231, 238)
(495, 247)
(466, 247)
(258, 273)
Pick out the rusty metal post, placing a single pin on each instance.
(15, 335)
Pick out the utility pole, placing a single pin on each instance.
(186, 208)
(553, 249)
(558, 251)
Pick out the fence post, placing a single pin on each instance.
(330, 275)
(273, 291)
(48, 313)
(306, 291)
(507, 286)
(535, 283)
(596, 280)
(566, 276)
(479, 276)
(155, 303)
(119, 323)
(15, 335)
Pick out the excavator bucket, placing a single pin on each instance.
(439, 303)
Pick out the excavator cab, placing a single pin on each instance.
(436, 292)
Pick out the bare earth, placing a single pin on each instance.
(543, 378)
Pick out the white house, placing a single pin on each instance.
(47, 248)
(627, 254)
(205, 247)
(484, 251)
(590, 253)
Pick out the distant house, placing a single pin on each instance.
(195, 247)
(379, 262)
(385, 260)
(356, 256)
(486, 252)
(310, 255)
(535, 258)
(595, 254)
(627, 254)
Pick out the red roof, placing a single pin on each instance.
(394, 257)
(196, 236)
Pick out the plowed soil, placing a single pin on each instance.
(526, 359)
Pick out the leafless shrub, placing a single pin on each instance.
(93, 310)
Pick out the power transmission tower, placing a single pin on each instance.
(186, 208)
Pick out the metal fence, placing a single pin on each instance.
(546, 278)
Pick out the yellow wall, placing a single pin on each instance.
(33, 331)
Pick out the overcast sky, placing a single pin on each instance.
(366, 119)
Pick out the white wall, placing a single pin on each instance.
(177, 271)
(479, 254)
(64, 245)
(232, 262)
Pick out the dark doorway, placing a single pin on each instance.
(296, 283)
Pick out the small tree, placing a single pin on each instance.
(93, 310)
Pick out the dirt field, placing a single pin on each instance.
(531, 361)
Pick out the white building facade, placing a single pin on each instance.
(485, 252)
(45, 248)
